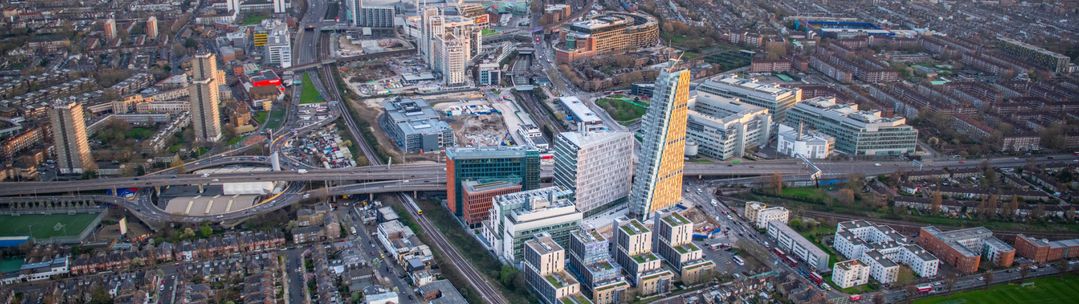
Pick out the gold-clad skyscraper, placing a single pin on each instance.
(658, 181)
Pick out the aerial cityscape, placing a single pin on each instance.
(539, 151)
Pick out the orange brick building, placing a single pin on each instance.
(1045, 251)
(964, 248)
(477, 197)
(607, 34)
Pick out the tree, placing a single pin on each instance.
(991, 205)
(100, 296)
(775, 183)
(846, 196)
(987, 278)
(205, 230)
(179, 165)
(1011, 209)
(949, 281)
(1024, 270)
(936, 201)
(1038, 213)
(878, 298)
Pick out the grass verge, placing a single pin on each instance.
(621, 110)
(308, 94)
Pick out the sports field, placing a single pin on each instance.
(1048, 290)
(45, 226)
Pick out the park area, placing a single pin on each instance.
(623, 109)
(45, 226)
(309, 94)
(1047, 290)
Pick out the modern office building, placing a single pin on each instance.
(769, 96)
(850, 273)
(414, 127)
(858, 133)
(204, 96)
(1040, 57)
(608, 33)
(633, 251)
(595, 166)
(545, 272)
(795, 245)
(489, 163)
(277, 46)
(673, 240)
(488, 74)
(477, 197)
(151, 27)
(361, 15)
(590, 261)
(518, 217)
(1046, 251)
(882, 249)
(725, 127)
(109, 27)
(964, 248)
(759, 214)
(658, 182)
(70, 138)
(810, 144)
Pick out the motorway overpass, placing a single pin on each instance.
(436, 171)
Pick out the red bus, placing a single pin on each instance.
(816, 278)
(925, 288)
(856, 297)
(790, 261)
(779, 252)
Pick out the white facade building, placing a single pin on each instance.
(883, 249)
(795, 244)
(806, 143)
(725, 127)
(850, 273)
(760, 214)
(595, 166)
(516, 218)
(769, 96)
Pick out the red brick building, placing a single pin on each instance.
(477, 197)
(1045, 251)
(963, 248)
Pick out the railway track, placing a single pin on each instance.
(478, 280)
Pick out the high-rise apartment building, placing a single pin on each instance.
(590, 261)
(769, 96)
(597, 166)
(151, 27)
(545, 272)
(205, 81)
(109, 27)
(1054, 62)
(725, 127)
(658, 182)
(673, 241)
(633, 251)
(488, 163)
(858, 133)
(70, 138)
(453, 58)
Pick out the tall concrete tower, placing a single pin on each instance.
(109, 27)
(151, 27)
(70, 138)
(205, 115)
(658, 181)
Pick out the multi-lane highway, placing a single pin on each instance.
(788, 168)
